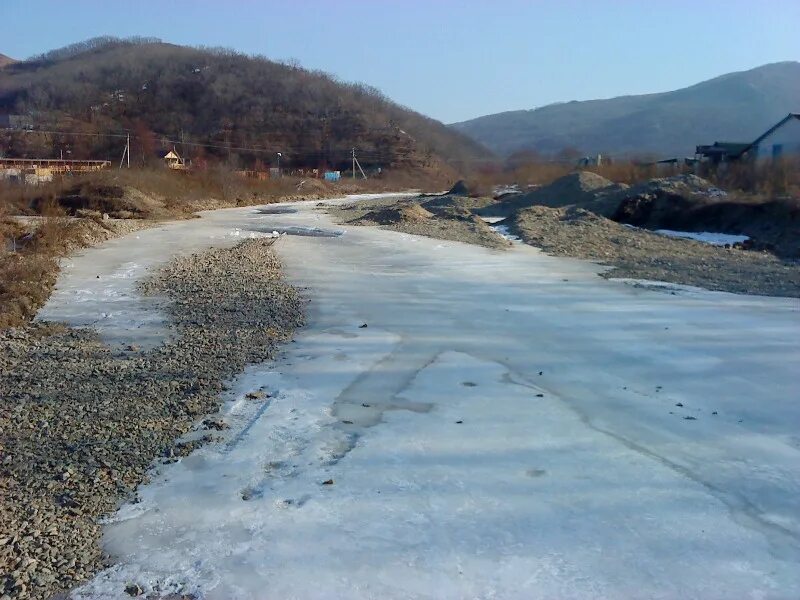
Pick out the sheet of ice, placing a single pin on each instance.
(715, 239)
(97, 286)
(614, 442)
(496, 224)
(503, 230)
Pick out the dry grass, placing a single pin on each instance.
(144, 193)
(764, 179)
(29, 262)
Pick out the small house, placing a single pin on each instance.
(780, 140)
(722, 151)
(174, 161)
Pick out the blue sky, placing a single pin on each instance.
(451, 60)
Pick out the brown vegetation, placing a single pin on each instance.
(29, 262)
(765, 179)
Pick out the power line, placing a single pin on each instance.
(309, 152)
(306, 150)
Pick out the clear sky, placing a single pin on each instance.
(452, 60)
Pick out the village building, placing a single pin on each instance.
(34, 171)
(174, 161)
(780, 140)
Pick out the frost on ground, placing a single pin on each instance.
(715, 239)
(459, 422)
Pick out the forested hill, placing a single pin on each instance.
(164, 92)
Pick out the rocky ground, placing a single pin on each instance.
(81, 424)
(641, 254)
(447, 217)
(572, 227)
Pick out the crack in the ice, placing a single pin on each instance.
(742, 510)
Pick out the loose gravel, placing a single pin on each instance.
(450, 218)
(640, 254)
(80, 424)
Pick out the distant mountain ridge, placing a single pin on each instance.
(239, 108)
(734, 107)
(6, 60)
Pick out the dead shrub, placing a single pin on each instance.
(26, 280)
(765, 178)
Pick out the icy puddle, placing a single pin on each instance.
(457, 422)
(306, 231)
(496, 223)
(715, 239)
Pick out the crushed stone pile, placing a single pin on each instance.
(407, 212)
(690, 203)
(460, 188)
(581, 188)
(656, 199)
(641, 254)
(455, 204)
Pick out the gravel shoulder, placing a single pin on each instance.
(80, 424)
(641, 254)
(449, 218)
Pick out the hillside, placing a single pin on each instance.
(164, 92)
(6, 60)
(733, 107)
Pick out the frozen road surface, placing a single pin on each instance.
(508, 425)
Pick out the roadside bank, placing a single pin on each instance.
(80, 422)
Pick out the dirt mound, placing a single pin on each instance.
(690, 203)
(581, 188)
(309, 186)
(445, 202)
(647, 201)
(459, 189)
(409, 212)
(641, 254)
(571, 189)
(122, 202)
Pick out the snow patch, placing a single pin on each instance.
(715, 239)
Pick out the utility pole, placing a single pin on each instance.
(126, 152)
(356, 163)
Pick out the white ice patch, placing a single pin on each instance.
(661, 459)
(501, 491)
(715, 239)
(501, 229)
(504, 231)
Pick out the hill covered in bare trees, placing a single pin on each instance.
(242, 109)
